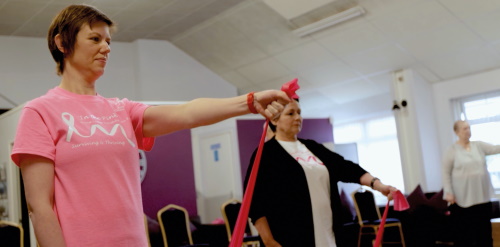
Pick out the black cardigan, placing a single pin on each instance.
(281, 192)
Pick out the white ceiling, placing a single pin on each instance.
(251, 46)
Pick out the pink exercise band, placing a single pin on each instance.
(239, 229)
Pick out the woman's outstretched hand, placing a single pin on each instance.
(270, 103)
(387, 190)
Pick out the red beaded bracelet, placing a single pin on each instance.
(251, 107)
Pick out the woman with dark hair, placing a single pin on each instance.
(296, 200)
(78, 150)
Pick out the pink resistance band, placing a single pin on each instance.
(239, 229)
(400, 204)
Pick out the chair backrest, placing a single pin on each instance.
(230, 210)
(11, 234)
(365, 205)
(174, 225)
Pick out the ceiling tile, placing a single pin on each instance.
(68, 2)
(349, 24)
(236, 79)
(276, 83)
(19, 11)
(277, 40)
(131, 21)
(360, 37)
(426, 73)
(192, 46)
(351, 91)
(486, 26)
(147, 7)
(219, 34)
(466, 9)
(407, 23)
(382, 81)
(31, 29)
(115, 4)
(214, 63)
(8, 28)
(185, 23)
(264, 27)
(439, 42)
(253, 88)
(224, 42)
(464, 63)
(44, 18)
(329, 74)
(388, 57)
(254, 18)
(263, 70)
(377, 8)
(305, 57)
(239, 54)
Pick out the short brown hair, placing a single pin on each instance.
(68, 23)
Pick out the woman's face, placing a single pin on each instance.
(91, 49)
(289, 123)
(463, 131)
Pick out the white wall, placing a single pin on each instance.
(426, 121)
(142, 70)
(167, 73)
(375, 106)
(420, 157)
(460, 87)
(26, 69)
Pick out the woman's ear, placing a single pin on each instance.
(58, 41)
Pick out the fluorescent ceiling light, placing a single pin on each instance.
(329, 21)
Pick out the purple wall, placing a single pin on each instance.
(170, 174)
(250, 131)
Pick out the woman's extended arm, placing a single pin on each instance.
(265, 233)
(38, 177)
(160, 120)
(369, 180)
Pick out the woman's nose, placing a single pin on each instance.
(106, 48)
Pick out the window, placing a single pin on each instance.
(483, 114)
(378, 148)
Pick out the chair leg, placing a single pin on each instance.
(402, 236)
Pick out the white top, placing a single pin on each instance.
(465, 174)
(318, 181)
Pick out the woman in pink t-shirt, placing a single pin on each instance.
(65, 136)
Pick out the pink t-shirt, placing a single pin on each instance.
(94, 144)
